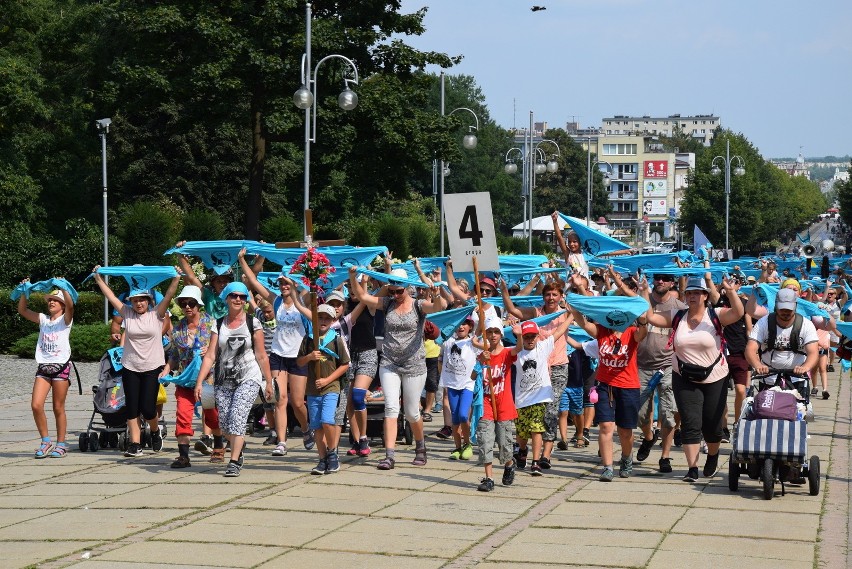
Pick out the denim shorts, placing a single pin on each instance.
(619, 405)
(571, 400)
(321, 409)
(280, 363)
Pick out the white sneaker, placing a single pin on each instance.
(280, 450)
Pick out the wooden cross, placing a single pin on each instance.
(481, 310)
(309, 243)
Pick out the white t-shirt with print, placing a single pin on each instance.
(458, 357)
(532, 373)
(54, 340)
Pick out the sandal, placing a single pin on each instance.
(44, 449)
(217, 455)
(387, 463)
(427, 417)
(580, 443)
(419, 457)
(60, 450)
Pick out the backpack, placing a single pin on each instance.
(772, 326)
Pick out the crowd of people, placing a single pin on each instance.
(522, 365)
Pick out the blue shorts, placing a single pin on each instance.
(321, 409)
(280, 363)
(571, 400)
(619, 405)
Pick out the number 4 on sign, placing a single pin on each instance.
(470, 230)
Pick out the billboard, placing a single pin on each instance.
(655, 188)
(656, 169)
(654, 207)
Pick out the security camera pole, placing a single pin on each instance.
(103, 127)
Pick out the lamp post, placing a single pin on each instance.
(738, 171)
(306, 98)
(589, 179)
(534, 161)
(103, 128)
(469, 142)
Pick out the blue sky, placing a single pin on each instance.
(777, 71)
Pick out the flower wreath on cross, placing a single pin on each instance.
(314, 268)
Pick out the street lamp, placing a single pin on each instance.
(306, 98)
(534, 162)
(103, 128)
(738, 171)
(469, 142)
(589, 177)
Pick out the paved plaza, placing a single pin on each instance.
(93, 510)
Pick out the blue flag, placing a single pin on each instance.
(217, 255)
(592, 241)
(614, 312)
(339, 256)
(700, 244)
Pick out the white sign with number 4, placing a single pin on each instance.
(470, 229)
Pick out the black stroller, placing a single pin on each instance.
(108, 423)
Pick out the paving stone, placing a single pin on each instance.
(331, 499)
(176, 495)
(26, 553)
(88, 524)
(424, 539)
(481, 509)
(777, 525)
(400, 479)
(648, 517)
(314, 558)
(601, 493)
(213, 554)
(669, 559)
(746, 547)
(750, 494)
(14, 517)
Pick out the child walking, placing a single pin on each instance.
(458, 357)
(533, 389)
(324, 391)
(498, 360)
(53, 356)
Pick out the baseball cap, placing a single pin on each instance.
(696, 283)
(529, 327)
(751, 279)
(335, 295)
(328, 310)
(487, 281)
(786, 299)
(494, 322)
(140, 292)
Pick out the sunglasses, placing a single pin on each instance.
(487, 291)
(396, 291)
(190, 304)
(664, 278)
(235, 296)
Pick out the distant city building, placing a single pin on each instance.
(798, 167)
(700, 127)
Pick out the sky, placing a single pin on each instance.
(777, 71)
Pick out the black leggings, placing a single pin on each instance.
(701, 406)
(140, 392)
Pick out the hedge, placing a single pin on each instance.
(88, 343)
(88, 310)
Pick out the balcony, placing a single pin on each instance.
(625, 176)
(622, 215)
(623, 196)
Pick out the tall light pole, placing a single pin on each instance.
(589, 180)
(469, 142)
(306, 98)
(103, 128)
(738, 171)
(531, 167)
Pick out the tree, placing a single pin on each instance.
(844, 197)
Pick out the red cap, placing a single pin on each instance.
(529, 327)
(488, 281)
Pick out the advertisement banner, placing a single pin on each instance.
(654, 207)
(656, 169)
(655, 188)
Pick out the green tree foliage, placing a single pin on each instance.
(844, 198)
(281, 228)
(148, 228)
(764, 203)
(203, 225)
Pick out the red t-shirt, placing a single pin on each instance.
(618, 367)
(501, 369)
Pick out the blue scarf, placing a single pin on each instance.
(536, 300)
(325, 341)
(844, 328)
(390, 279)
(592, 241)
(217, 255)
(522, 275)
(26, 288)
(647, 263)
(448, 320)
(340, 256)
(613, 312)
(115, 355)
(139, 277)
(509, 337)
(188, 376)
(765, 295)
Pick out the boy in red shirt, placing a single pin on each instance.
(618, 394)
(499, 359)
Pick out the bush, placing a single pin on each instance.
(203, 225)
(88, 343)
(89, 310)
(421, 236)
(394, 235)
(363, 233)
(520, 245)
(281, 228)
(147, 228)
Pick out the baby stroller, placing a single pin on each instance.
(108, 423)
(774, 449)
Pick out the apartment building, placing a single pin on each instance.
(700, 127)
